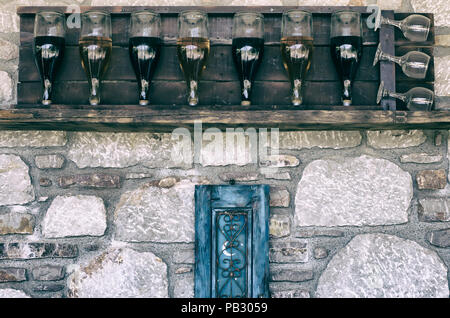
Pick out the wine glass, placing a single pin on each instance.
(145, 49)
(247, 49)
(296, 49)
(414, 64)
(416, 99)
(192, 49)
(48, 47)
(346, 48)
(415, 27)
(95, 49)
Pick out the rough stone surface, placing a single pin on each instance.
(289, 273)
(34, 138)
(442, 40)
(388, 139)
(320, 139)
(12, 293)
(12, 275)
(120, 150)
(420, 158)
(37, 250)
(120, 273)
(141, 215)
(442, 76)
(49, 161)
(224, 149)
(440, 238)
(45, 182)
(431, 179)
(279, 225)
(184, 286)
(15, 182)
(355, 191)
(278, 176)
(75, 216)
(47, 273)
(320, 252)
(16, 223)
(384, 266)
(434, 209)
(307, 233)
(6, 86)
(279, 161)
(279, 197)
(184, 256)
(288, 252)
(8, 50)
(239, 177)
(287, 290)
(93, 180)
(440, 9)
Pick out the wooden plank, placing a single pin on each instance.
(217, 10)
(220, 30)
(387, 69)
(203, 238)
(220, 66)
(210, 93)
(260, 237)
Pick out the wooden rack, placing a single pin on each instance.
(219, 90)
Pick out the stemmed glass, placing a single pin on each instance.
(346, 48)
(247, 49)
(415, 27)
(414, 64)
(193, 49)
(416, 99)
(296, 49)
(48, 47)
(95, 49)
(145, 49)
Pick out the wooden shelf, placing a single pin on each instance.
(166, 118)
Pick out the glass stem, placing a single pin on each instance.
(391, 58)
(143, 98)
(399, 96)
(388, 21)
(347, 93)
(94, 99)
(297, 97)
(193, 96)
(246, 90)
(47, 92)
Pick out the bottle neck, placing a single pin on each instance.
(388, 21)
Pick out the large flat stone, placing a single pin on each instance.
(389, 139)
(6, 86)
(320, 139)
(353, 191)
(33, 138)
(384, 266)
(442, 76)
(154, 214)
(75, 216)
(120, 150)
(120, 273)
(15, 182)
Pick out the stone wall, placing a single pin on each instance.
(353, 214)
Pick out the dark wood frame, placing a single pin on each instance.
(164, 118)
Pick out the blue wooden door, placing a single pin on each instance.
(231, 241)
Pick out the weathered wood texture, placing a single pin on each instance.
(218, 86)
(167, 118)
